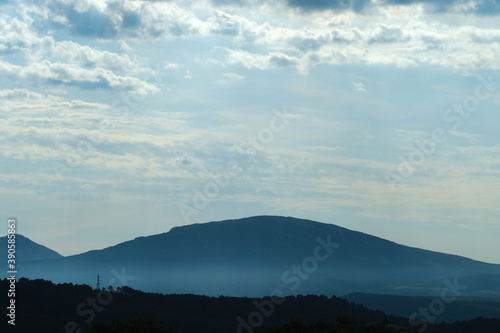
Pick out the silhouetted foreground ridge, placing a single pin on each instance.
(46, 307)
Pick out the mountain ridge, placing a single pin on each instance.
(28, 250)
(175, 228)
(249, 257)
(185, 227)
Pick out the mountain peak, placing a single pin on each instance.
(255, 255)
(27, 250)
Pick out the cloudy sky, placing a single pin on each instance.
(121, 119)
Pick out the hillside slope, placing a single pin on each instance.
(27, 250)
(256, 255)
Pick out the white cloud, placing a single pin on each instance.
(85, 56)
(404, 43)
(66, 62)
(68, 74)
(469, 136)
(321, 148)
(133, 19)
(358, 86)
(486, 151)
(233, 76)
(408, 38)
(260, 61)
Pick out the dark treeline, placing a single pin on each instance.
(42, 306)
(345, 325)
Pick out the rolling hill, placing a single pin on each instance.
(262, 255)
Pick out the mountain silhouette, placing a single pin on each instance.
(261, 255)
(27, 250)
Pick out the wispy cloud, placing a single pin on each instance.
(321, 148)
(358, 86)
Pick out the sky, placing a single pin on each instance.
(121, 119)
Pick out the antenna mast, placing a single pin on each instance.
(98, 282)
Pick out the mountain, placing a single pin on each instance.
(260, 255)
(27, 250)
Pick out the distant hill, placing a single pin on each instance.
(463, 308)
(27, 250)
(258, 255)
